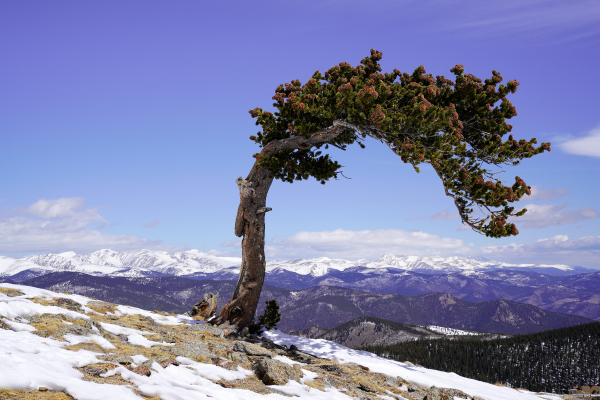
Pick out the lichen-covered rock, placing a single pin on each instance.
(273, 372)
(367, 387)
(166, 361)
(227, 364)
(116, 358)
(169, 338)
(74, 330)
(434, 393)
(192, 349)
(91, 324)
(331, 368)
(251, 349)
(68, 304)
(213, 330)
(4, 325)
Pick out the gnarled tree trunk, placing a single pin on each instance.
(250, 223)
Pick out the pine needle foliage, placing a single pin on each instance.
(271, 315)
(457, 126)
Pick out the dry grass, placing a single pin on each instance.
(6, 394)
(316, 384)
(92, 373)
(367, 382)
(356, 379)
(10, 292)
(135, 321)
(152, 353)
(95, 347)
(43, 302)
(49, 325)
(102, 307)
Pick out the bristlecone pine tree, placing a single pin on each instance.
(456, 126)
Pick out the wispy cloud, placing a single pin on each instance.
(588, 145)
(354, 245)
(54, 208)
(565, 20)
(539, 194)
(151, 224)
(445, 215)
(63, 224)
(558, 249)
(542, 216)
(359, 244)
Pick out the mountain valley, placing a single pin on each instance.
(322, 306)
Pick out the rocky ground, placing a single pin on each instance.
(136, 350)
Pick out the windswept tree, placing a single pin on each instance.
(457, 126)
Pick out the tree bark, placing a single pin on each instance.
(250, 223)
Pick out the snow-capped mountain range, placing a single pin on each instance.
(194, 263)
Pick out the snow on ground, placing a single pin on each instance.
(28, 361)
(419, 375)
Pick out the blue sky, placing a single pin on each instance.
(125, 124)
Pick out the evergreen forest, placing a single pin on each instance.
(549, 361)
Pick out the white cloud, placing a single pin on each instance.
(359, 244)
(588, 145)
(57, 208)
(538, 194)
(64, 225)
(353, 245)
(558, 249)
(444, 214)
(542, 216)
(151, 224)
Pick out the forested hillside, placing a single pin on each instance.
(555, 360)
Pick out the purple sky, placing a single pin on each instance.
(125, 124)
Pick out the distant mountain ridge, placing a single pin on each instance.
(557, 288)
(194, 263)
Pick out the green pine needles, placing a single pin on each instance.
(457, 126)
(271, 316)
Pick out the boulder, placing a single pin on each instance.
(251, 349)
(273, 372)
(213, 330)
(192, 349)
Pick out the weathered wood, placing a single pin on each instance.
(207, 307)
(250, 223)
